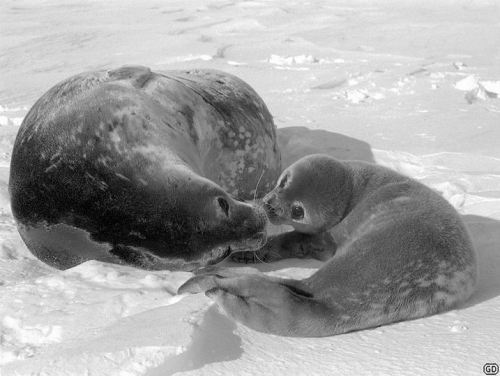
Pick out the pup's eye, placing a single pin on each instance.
(283, 181)
(223, 205)
(297, 212)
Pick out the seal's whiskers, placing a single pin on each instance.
(257, 186)
(258, 258)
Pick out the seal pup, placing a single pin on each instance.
(143, 168)
(396, 250)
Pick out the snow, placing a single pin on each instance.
(412, 85)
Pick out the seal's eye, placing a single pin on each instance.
(223, 205)
(297, 212)
(283, 181)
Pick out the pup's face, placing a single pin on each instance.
(311, 195)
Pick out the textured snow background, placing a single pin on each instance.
(412, 85)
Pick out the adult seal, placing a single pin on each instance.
(142, 168)
(395, 250)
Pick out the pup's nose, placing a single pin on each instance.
(269, 201)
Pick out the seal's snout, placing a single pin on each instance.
(269, 202)
(272, 207)
(269, 199)
(268, 206)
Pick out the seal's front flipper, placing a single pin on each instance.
(199, 284)
(270, 305)
(205, 278)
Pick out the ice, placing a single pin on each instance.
(468, 83)
(378, 81)
(491, 87)
(292, 60)
(478, 89)
(15, 121)
(33, 335)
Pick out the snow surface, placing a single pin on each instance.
(412, 85)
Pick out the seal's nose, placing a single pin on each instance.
(269, 202)
(269, 199)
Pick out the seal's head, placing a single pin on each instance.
(210, 224)
(311, 195)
